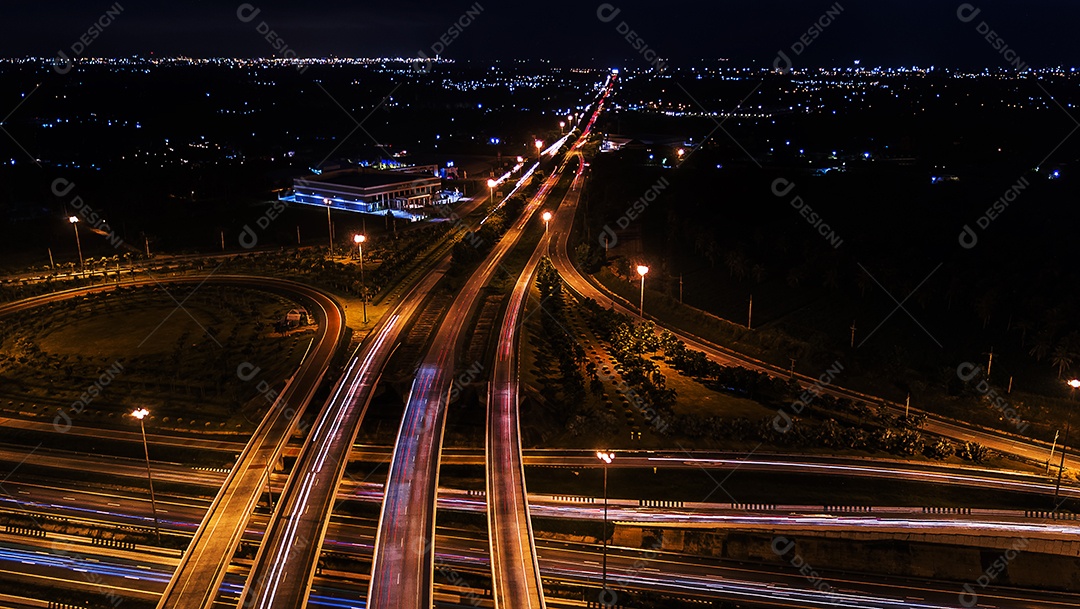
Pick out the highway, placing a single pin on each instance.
(703, 578)
(402, 569)
(163, 440)
(183, 514)
(403, 560)
(140, 575)
(514, 568)
(200, 572)
(65, 463)
(403, 544)
(287, 559)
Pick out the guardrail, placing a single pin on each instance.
(660, 503)
(947, 510)
(573, 499)
(1050, 515)
(848, 508)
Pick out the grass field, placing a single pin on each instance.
(98, 357)
(696, 399)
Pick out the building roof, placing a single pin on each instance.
(361, 179)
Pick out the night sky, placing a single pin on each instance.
(878, 32)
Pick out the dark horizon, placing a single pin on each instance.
(920, 33)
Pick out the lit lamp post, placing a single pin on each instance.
(1075, 384)
(643, 271)
(607, 457)
(491, 189)
(359, 240)
(75, 223)
(329, 228)
(562, 126)
(539, 147)
(141, 414)
(547, 219)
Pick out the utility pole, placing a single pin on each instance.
(1061, 466)
(1065, 442)
(297, 235)
(52, 264)
(750, 314)
(680, 288)
(1052, 447)
(990, 363)
(853, 334)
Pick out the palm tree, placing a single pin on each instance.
(736, 263)
(1062, 358)
(758, 272)
(1041, 346)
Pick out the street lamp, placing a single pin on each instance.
(75, 223)
(562, 126)
(491, 189)
(547, 219)
(539, 147)
(141, 414)
(643, 271)
(1075, 384)
(329, 228)
(607, 457)
(359, 240)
